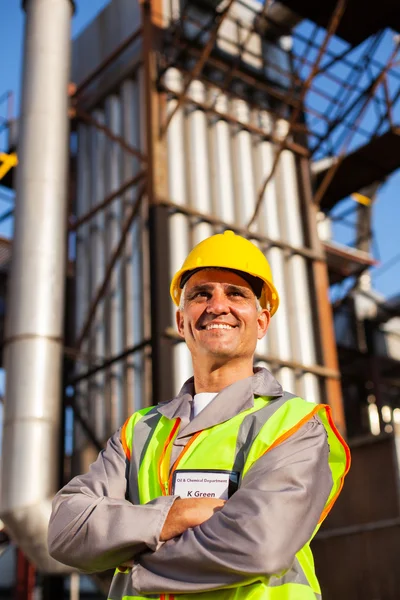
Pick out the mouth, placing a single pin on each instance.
(218, 327)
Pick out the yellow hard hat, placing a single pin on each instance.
(228, 251)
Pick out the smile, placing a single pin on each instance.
(218, 326)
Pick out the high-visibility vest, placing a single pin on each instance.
(216, 448)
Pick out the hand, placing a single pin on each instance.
(188, 512)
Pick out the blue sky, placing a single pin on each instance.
(387, 207)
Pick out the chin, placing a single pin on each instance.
(221, 351)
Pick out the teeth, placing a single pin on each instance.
(218, 326)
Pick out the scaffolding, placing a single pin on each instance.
(324, 93)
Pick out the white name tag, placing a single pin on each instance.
(204, 484)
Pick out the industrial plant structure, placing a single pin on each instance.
(188, 118)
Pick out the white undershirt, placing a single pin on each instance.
(200, 401)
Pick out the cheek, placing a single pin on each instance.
(190, 318)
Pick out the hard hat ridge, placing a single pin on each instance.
(232, 252)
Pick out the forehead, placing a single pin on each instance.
(215, 276)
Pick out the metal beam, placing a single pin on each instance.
(264, 241)
(158, 240)
(110, 361)
(90, 120)
(209, 108)
(373, 86)
(114, 257)
(319, 370)
(163, 384)
(133, 181)
(106, 62)
(326, 334)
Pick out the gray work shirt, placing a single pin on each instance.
(94, 527)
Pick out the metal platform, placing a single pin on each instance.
(344, 261)
(368, 164)
(360, 20)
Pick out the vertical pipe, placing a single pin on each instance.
(99, 394)
(113, 227)
(178, 223)
(278, 335)
(299, 295)
(82, 287)
(33, 344)
(221, 164)
(132, 260)
(198, 161)
(244, 176)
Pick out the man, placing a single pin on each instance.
(217, 493)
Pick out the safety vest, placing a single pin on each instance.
(221, 448)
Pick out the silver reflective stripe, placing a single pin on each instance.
(141, 436)
(251, 427)
(294, 575)
(122, 586)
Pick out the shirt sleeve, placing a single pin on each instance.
(258, 531)
(93, 527)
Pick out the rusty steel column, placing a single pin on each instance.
(157, 187)
(324, 317)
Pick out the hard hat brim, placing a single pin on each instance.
(268, 294)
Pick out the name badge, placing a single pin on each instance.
(205, 484)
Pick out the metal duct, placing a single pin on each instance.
(33, 346)
(133, 268)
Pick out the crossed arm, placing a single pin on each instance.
(183, 545)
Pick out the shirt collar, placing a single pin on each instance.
(228, 403)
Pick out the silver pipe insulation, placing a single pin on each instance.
(34, 328)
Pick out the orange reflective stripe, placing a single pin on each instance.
(296, 427)
(178, 460)
(346, 449)
(347, 467)
(124, 442)
(163, 453)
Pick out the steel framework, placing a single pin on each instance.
(321, 101)
(325, 93)
(325, 107)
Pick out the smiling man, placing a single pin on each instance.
(217, 493)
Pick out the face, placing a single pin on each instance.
(220, 318)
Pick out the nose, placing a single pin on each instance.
(218, 303)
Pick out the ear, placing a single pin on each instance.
(180, 323)
(263, 321)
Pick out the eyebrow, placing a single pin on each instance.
(207, 287)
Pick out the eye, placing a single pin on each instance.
(201, 294)
(236, 294)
